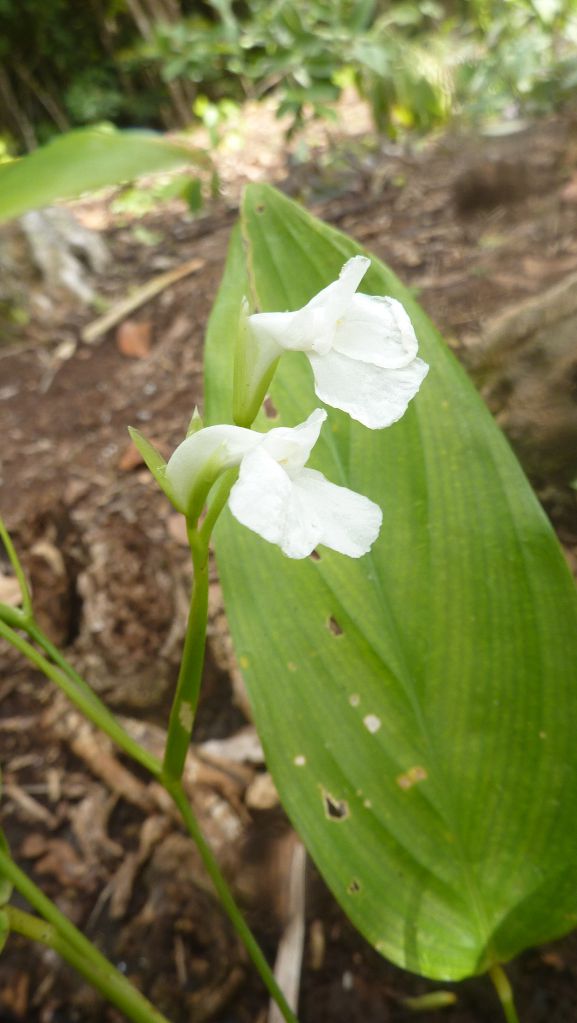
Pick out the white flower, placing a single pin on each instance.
(295, 507)
(362, 348)
(275, 495)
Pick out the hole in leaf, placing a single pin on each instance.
(354, 887)
(334, 626)
(314, 556)
(270, 409)
(335, 809)
(260, 207)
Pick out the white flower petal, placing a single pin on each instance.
(335, 298)
(301, 513)
(376, 330)
(271, 329)
(363, 349)
(350, 523)
(217, 446)
(311, 328)
(374, 396)
(297, 508)
(291, 446)
(263, 500)
(314, 325)
(302, 331)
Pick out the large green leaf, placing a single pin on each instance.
(82, 161)
(426, 753)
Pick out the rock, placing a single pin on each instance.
(569, 192)
(526, 365)
(47, 262)
(10, 591)
(64, 251)
(261, 793)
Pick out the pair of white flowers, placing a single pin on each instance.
(363, 354)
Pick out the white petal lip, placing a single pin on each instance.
(260, 497)
(378, 331)
(349, 522)
(374, 396)
(301, 511)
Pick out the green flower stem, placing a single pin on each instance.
(81, 696)
(185, 701)
(14, 617)
(180, 729)
(88, 962)
(227, 901)
(18, 570)
(504, 992)
(222, 491)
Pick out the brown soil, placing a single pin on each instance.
(473, 229)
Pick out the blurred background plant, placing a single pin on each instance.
(169, 63)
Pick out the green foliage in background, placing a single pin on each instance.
(85, 160)
(418, 62)
(518, 57)
(61, 65)
(304, 53)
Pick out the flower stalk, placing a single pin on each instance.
(6, 539)
(183, 710)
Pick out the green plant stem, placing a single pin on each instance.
(227, 901)
(14, 617)
(220, 497)
(81, 696)
(18, 570)
(185, 701)
(504, 992)
(180, 729)
(58, 933)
